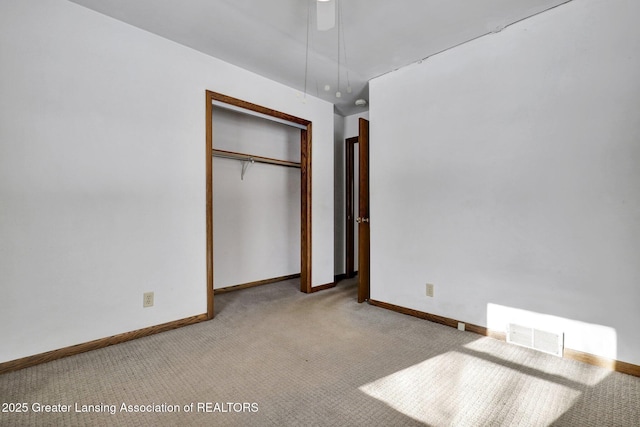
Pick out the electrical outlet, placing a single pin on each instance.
(429, 290)
(147, 299)
(461, 326)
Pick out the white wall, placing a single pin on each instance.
(256, 218)
(338, 195)
(102, 174)
(505, 171)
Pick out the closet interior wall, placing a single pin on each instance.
(256, 217)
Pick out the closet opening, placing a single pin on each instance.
(260, 182)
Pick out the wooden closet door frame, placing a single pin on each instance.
(305, 177)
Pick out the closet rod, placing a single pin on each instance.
(251, 158)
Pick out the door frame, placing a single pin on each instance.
(349, 207)
(305, 186)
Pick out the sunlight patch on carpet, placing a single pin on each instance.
(457, 388)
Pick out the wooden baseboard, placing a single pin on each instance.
(591, 359)
(49, 356)
(323, 287)
(603, 362)
(254, 284)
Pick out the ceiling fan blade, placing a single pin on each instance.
(326, 14)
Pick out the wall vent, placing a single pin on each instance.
(545, 341)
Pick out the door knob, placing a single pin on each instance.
(359, 220)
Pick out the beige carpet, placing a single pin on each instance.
(274, 356)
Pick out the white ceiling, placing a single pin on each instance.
(269, 37)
